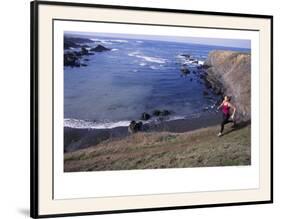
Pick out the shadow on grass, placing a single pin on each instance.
(238, 126)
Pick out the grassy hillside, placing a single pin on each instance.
(199, 148)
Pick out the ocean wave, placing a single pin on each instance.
(148, 58)
(172, 118)
(201, 62)
(114, 49)
(119, 41)
(109, 41)
(189, 61)
(102, 41)
(153, 67)
(83, 124)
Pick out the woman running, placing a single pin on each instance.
(226, 106)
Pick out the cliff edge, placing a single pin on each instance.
(229, 73)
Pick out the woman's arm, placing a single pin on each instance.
(220, 105)
(234, 110)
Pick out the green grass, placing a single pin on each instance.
(199, 148)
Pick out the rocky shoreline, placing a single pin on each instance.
(229, 73)
(77, 138)
(226, 73)
(76, 49)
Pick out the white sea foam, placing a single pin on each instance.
(148, 58)
(82, 124)
(133, 53)
(101, 41)
(119, 41)
(172, 118)
(180, 57)
(109, 41)
(114, 49)
(201, 62)
(153, 67)
(153, 59)
(189, 61)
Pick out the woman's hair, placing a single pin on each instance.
(228, 97)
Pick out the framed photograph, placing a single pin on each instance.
(143, 109)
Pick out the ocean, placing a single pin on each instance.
(134, 77)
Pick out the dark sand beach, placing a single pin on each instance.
(75, 139)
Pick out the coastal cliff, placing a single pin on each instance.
(229, 73)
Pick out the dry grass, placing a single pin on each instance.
(199, 148)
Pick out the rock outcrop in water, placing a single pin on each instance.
(229, 73)
(100, 48)
(145, 116)
(135, 127)
(75, 42)
(74, 58)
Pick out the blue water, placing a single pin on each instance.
(136, 76)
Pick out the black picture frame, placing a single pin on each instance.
(34, 112)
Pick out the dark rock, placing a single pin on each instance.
(145, 116)
(207, 85)
(156, 112)
(131, 127)
(185, 70)
(84, 65)
(86, 60)
(71, 59)
(161, 112)
(205, 93)
(205, 109)
(135, 127)
(99, 48)
(202, 76)
(185, 55)
(68, 45)
(78, 54)
(139, 126)
(205, 66)
(165, 113)
(84, 51)
(74, 42)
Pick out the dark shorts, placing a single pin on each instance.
(225, 117)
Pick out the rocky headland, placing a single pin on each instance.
(229, 73)
(76, 49)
